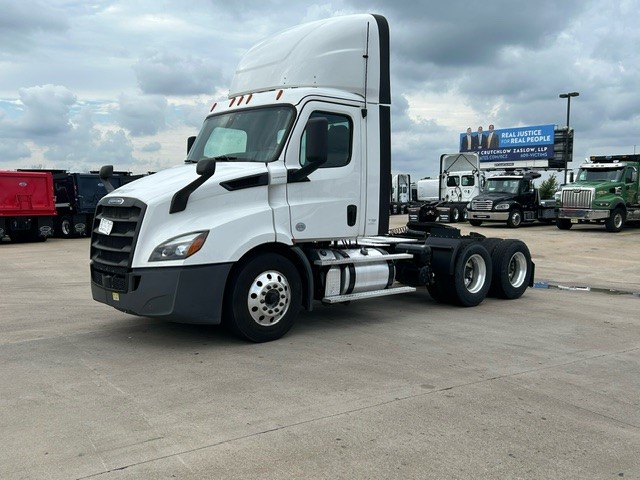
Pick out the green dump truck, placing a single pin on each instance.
(605, 191)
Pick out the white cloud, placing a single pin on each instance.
(85, 82)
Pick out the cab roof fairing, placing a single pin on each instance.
(349, 53)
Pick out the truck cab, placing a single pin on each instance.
(605, 191)
(510, 198)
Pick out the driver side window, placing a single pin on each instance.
(631, 175)
(340, 133)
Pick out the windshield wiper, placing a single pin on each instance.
(219, 158)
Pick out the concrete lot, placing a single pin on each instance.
(546, 386)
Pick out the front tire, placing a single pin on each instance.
(615, 221)
(264, 298)
(563, 223)
(515, 218)
(475, 223)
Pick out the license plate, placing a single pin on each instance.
(115, 296)
(574, 220)
(105, 226)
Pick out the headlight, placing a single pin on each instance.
(502, 206)
(602, 204)
(179, 248)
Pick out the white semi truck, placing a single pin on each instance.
(460, 180)
(283, 201)
(400, 193)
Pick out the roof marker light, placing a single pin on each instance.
(249, 98)
(213, 106)
(231, 102)
(280, 92)
(240, 100)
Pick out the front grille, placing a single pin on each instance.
(577, 197)
(481, 205)
(112, 254)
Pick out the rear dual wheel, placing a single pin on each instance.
(471, 279)
(496, 267)
(512, 269)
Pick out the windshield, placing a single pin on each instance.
(254, 135)
(600, 174)
(502, 185)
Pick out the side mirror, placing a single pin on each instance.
(206, 166)
(106, 171)
(190, 142)
(317, 140)
(205, 169)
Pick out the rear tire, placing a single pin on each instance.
(264, 298)
(471, 275)
(440, 290)
(512, 269)
(491, 243)
(454, 215)
(66, 227)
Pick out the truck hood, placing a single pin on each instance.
(161, 186)
(597, 185)
(495, 197)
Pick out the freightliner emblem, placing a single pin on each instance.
(116, 201)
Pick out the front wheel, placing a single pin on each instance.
(475, 223)
(264, 299)
(615, 221)
(515, 219)
(563, 223)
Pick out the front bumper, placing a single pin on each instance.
(583, 214)
(488, 216)
(179, 294)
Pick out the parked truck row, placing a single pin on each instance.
(38, 203)
(605, 190)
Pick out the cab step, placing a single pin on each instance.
(362, 295)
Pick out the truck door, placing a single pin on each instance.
(527, 198)
(329, 204)
(631, 186)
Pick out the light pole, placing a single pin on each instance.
(566, 144)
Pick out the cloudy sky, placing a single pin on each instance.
(89, 82)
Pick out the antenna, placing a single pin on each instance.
(366, 72)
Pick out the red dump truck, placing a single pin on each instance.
(27, 206)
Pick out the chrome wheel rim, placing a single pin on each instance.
(517, 269)
(269, 298)
(475, 273)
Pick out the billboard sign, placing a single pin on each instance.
(519, 147)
